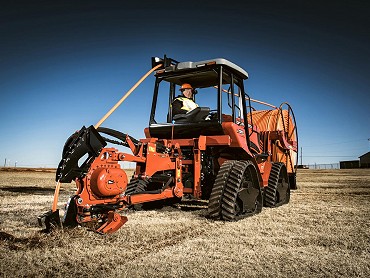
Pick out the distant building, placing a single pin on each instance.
(351, 164)
(365, 160)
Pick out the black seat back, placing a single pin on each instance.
(196, 115)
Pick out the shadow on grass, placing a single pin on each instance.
(15, 243)
(28, 189)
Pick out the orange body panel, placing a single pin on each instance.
(265, 169)
(142, 198)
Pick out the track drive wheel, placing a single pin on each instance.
(277, 192)
(236, 193)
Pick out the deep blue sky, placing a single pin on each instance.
(64, 64)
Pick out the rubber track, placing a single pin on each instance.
(270, 190)
(231, 191)
(214, 204)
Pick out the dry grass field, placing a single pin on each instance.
(323, 232)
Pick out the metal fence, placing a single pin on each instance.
(323, 166)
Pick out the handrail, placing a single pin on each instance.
(251, 99)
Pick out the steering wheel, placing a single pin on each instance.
(212, 115)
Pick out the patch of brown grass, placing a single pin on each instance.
(322, 232)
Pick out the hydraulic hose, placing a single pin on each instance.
(126, 95)
(56, 194)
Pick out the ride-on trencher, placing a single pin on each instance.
(228, 155)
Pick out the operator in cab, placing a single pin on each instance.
(185, 102)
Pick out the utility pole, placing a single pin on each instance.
(5, 163)
(301, 156)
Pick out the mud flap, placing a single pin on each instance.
(69, 219)
(50, 220)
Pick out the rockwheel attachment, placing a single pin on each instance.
(277, 192)
(237, 193)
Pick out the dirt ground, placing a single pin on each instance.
(323, 232)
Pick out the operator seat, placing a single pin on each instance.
(189, 125)
(196, 115)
